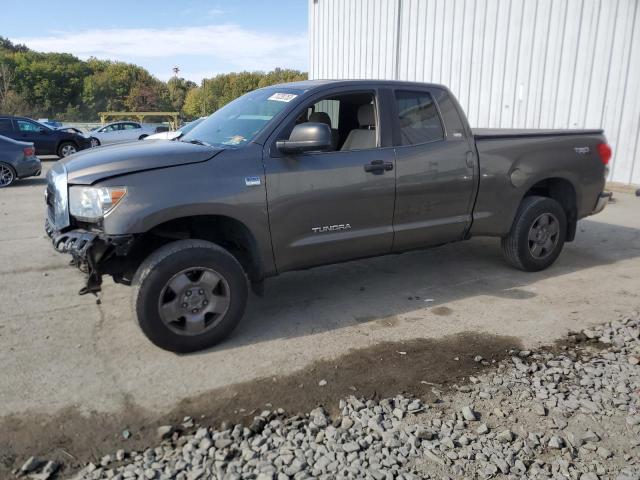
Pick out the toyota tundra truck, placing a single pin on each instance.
(311, 173)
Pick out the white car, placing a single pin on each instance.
(118, 132)
(170, 135)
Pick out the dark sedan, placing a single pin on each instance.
(47, 141)
(17, 160)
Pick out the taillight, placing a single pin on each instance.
(29, 151)
(604, 150)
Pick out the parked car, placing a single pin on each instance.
(47, 141)
(182, 130)
(297, 175)
(17, 160)
(118, 132)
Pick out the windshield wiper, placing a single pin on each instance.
(199, 142)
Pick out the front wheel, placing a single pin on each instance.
(189, 295)
(66, 148)
(537, 234)
(95, 142)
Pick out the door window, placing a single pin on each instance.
(351, 117)
(418, 118)
(25, 126)
(130, 126)
(5, 125)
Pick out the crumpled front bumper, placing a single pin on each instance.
(90, 252)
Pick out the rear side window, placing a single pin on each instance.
(418, 118)
(5, 125)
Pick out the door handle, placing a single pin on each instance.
(471, 160)
(378, 167)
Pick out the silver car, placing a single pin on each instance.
(118, 132)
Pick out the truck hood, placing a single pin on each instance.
(92, 165)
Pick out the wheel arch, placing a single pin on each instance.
(226, 231)
(563, 191)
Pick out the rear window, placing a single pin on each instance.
(5, 125)
(418, 118)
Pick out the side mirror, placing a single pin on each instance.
(307, 137)
(43, 130)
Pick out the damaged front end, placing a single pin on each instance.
(93, 253)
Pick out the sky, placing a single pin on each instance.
(201, 37)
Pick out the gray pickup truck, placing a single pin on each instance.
(304, 174)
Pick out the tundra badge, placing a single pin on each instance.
(252, 181)
(331, 228)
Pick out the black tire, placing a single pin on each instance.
(517, 247)
(7, 175)
(67, 148)
(157, 272)
(142, 137)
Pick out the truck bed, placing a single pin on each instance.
(496, 133)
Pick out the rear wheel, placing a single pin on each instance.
(537, 235)
(189, 295)
(7, 175)
(142, 137)
(67, 148)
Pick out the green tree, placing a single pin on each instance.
(61, 85)
(178, 89)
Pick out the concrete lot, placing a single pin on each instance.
(59, 350)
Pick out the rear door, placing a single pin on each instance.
(436, 169)
(130, 131)
(6, 128)
(332, 206)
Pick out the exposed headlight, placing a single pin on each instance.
(91, 204)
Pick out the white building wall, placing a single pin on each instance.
(511, 63)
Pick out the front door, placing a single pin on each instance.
(337, 205)
(109, 134)
(42, 137)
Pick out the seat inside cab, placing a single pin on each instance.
(351, 118)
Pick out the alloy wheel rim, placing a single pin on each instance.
(68, 150)
(6, 176)
(194, 301)
(94, 142)
(543, 235)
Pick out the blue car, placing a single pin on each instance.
(17, 160)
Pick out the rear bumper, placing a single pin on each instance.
(602, 201)
(29, 168)
(91, 252)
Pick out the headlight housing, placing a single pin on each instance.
(91, 204)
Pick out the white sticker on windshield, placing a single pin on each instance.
(282, 97)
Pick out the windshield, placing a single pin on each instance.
(238, 122)
(187, 127)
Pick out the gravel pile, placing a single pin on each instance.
(573, 413)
